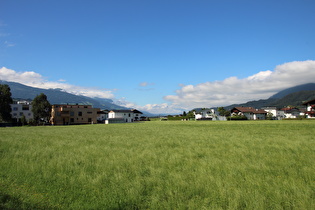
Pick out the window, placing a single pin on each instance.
(15, 108)
(72, 114)
(80, 113)
(72, 120)
(89, 120)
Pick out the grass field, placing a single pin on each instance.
(159, 165)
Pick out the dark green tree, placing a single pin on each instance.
(223, 112)
(41, 108)
(190, 114)
(5, 101)
(269, 116)
(23, 120)
(184, 114)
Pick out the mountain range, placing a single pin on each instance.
(293, 96)
(58, 96)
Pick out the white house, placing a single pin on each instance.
(291, 112)
(310, 108)
(204, 114)
(276, 113)
(131, 115)
(22, 108)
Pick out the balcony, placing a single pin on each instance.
(65, 113)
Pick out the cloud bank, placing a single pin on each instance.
(33, 79)
(229, 91)
(234, 90)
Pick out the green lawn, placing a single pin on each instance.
(159, 165)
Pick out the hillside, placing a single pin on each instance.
(283, 93)
(57, 96)
(295, 99)
(294, 96)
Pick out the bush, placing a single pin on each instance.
(238, 117)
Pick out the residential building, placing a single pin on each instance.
(102, 115)
(64, 114)
(131, 115)
(250, 113)
(204, 114)
(290, 112)
(20, 109)
(276, 113)
(310, 108)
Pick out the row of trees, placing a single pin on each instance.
(41, 107)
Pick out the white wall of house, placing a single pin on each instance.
(198, 116)
(20, 109)
(248, 115)
(310, 108)
(128, 116)
(259, 116)
(276, 114)
(102, 117)
(206, 113)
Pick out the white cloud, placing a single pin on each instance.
(145, 84)
(9, 44)
(33, 79)
(234, 90)
(231, 90)
(163, 108)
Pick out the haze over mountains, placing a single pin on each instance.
(294, 96)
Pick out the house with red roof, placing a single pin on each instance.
(249, 112)
(291, 112)
(310, 108)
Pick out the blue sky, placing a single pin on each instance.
(159, 56)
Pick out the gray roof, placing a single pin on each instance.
(126, 111)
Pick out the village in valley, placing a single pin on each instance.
(75, 114)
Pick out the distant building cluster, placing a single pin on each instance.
(67, 114)
(251, 113)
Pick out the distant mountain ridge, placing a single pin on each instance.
(57, 96)
(294, 96)
(283, 93)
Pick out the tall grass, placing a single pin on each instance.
(159, 165)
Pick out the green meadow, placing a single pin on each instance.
(159, 165)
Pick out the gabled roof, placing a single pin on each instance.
(249, 110)
(126, 111)
(309, 102)
(290, 110)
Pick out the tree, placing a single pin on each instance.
(5, 101)
(223, 112)
(190, 114)
(41, 108)
(23, 120)
(269, 116)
